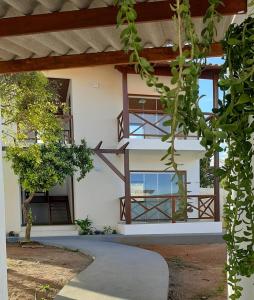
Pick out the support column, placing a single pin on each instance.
(127, 189)
(216, 155)
(3, 263)
(125, 106)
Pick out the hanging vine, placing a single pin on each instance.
(235, 118)
(232, 122)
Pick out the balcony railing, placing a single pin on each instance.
(168, 208)
(147, 125)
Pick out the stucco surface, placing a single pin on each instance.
(96, 97)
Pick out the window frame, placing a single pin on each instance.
(183, 172)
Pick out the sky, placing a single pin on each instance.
(206, 103)
(206, 87)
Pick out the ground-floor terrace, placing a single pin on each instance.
(153, 205)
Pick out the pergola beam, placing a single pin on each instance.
(105, 16)
(164, 70)
(92, 59)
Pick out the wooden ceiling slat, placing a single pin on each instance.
(92, 59)
(105, 16)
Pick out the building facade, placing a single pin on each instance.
(129, 188)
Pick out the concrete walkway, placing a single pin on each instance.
(118, 272)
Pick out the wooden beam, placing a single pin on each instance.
(105, 16)
(164, 70)
(92, 59)
(109, 163)
(127, 186)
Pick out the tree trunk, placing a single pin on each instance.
(28, 216)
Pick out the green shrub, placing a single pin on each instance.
(85, 226)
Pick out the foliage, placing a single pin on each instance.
(28, 103)
(232, 123)
(107, 229)
(44, 287)
(85, 225)
(41, 166)
(206, 173)
(235, 119)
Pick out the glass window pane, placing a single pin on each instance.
(150, 184)
(155, 183)
(137, 184)
(164, 184)
(136, 131)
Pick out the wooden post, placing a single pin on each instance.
(216, 155)
(127, 189)
(125, 106)
(3, 262)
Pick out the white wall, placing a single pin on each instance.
(12, 199)
(96, 103)
(137, 86)
(150, 160)
(3, 262)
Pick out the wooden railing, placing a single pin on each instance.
(168, 207)
(67, 137)
(150, 129)
(120, 126)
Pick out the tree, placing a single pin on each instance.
(42, 166)
(28, 103)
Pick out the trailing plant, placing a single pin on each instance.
(232, 122)
(206, 173)
(85, 225)
(235, 119)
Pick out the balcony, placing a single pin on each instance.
(147, 125)
(167, 208)
(146, 128)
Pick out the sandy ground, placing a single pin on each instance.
(38, 274)
(196, 272)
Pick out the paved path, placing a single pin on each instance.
(159, 239)
(118, 272)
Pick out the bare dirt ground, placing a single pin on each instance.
(39, 273)
(196, 272)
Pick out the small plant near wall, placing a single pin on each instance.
(85, 226)
(107, 230)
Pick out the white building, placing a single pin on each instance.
(117, 108)
(85, 35)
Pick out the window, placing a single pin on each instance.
(149, 189)
(146, 111)
(136, 131)
(154, 183)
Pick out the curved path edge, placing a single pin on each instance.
(118, 272)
